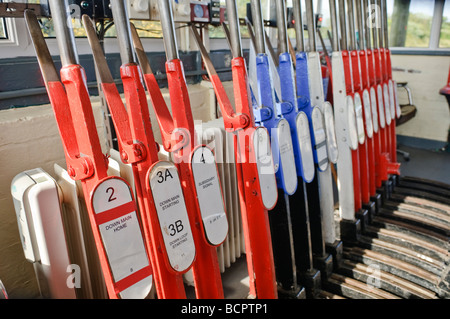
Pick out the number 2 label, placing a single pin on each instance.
(110, 191)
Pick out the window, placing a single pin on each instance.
(3, 30)
(410, 22)
(217, 31)
(444, 38)
(145, 29)
(419, 23)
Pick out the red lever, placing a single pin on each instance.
(254, 212)
(87, 163)
(179, 138)
(137, 147)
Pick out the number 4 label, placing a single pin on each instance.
(209, 195)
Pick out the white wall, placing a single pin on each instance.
(430, 75)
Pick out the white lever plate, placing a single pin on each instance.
(266, 170)
(352, 130)
(121, 235)
(397, 103)
(387, 111)
(359, 118)
(209, 195)
(381, 106)
(332, 147)
(287, 158)
(367, 113)
(391, 98)
(320, 139)
(172, 215)
(306, 152)
(373, 102)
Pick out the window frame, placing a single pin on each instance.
(435, 33)
(11, 33)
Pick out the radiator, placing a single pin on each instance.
(39, 217)
(213, 134)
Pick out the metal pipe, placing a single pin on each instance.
(282, 26)
(351, 25)
(235, 32)
(366, 25)
(123, 31)
(334, 26)
(374, 29)
(64, 32)
(297, 10)
(311, 25)
(385, 24)
(380, 28)
(343, 22)
(168, 29)
(361, 31)
(258, 26)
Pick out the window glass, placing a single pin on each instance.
(3, 31)
(444, 39)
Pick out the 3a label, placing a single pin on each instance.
(172, 215)
(209, 195)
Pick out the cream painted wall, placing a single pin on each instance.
(430, 75)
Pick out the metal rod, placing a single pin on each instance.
(122, 24)
(374, 29)
(365, 24)
(297, 10)
(334, 26)
(380, 25)
(258, 25)
(361, 31)
(343, 23)
(351, 25)
(235, 32)
(311, 25)
(282, 26)
(64, 32)
(385, 24)
(291, 242)
(168, 29)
